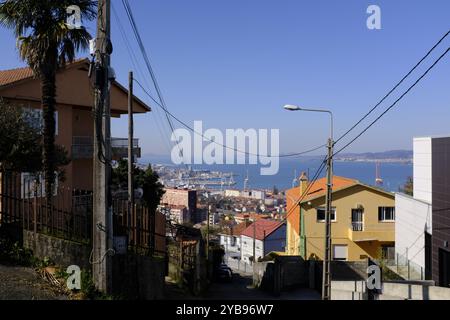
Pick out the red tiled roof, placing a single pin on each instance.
(236, 230)
(263, 228)
(14, 75)
(319, 187)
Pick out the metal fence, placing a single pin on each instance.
(145, 230)
(23, 205)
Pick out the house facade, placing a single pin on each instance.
(266, 235)
(423, 228)
(363, 220)
(74, 116)
(230, 240)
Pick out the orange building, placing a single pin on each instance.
(74, 118)
(362, 220)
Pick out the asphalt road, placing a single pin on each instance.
(240, 289)
(20, 283)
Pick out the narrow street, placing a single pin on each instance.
(21, 283)
(240, 289)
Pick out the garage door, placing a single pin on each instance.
(340, 252)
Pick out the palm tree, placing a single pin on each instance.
(47, 43)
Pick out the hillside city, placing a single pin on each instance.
(84, 217)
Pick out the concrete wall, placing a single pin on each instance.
(349, 290)
(412, 291)
(62, 252)
(138, 277)
(413, 218)
(357, 290)
(284, 273)
(422, 169)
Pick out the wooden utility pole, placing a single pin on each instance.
(130, 144)
(207, 234)
(102, 210)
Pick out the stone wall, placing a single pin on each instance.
(62, 252)
(138, 277)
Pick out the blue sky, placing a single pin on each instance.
(235, 63)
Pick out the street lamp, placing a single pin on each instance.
(326, 276)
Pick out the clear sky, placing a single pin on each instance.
(235, 63)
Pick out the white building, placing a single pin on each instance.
(231, 240)
(267, 236)
(413, 226)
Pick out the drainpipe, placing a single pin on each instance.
(302, 234)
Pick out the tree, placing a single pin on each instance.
(408, 186)
(147, 180)
(21, 142)
(47, 43)
(275, 190)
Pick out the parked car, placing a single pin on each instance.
(224, 273)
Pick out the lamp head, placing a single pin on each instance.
(291, 107)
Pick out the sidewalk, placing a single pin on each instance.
(20, 283)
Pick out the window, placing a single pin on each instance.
(340, 252)
(386, 213)
(321, 214)
(35, 119)
(34, 185)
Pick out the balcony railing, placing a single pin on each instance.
(83, 147)
(357, 226)
(358, 231)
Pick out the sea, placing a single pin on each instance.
(394, 174)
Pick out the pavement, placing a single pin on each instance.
(240, 288)
(21, 283)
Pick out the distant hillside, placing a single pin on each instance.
(392, 155)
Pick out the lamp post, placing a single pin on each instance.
(326, 275)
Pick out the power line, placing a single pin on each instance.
(394, 88)
(162, 103)
(135, 63)
(213, 141)
(147, 61)
(310, 184)
(395, 103)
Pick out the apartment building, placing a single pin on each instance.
(363, 220)
(182, 197)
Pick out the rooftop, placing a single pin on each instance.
(262, 229)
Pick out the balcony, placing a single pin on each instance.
(383, 231)
(83, 148)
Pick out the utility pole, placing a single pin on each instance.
(130, 145)
(254, 251)
(207, 234)
(102, 210)
(326, 275)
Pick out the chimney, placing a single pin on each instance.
(303, 182)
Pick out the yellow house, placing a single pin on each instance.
(363, 220)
